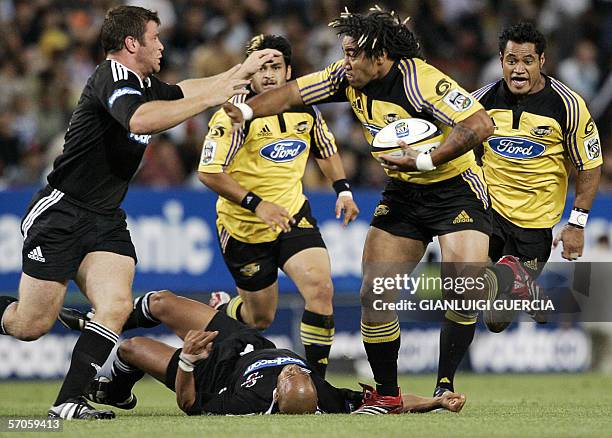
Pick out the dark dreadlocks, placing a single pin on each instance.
(377, 33)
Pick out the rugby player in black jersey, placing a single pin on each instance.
(74, 228)
(226, 367)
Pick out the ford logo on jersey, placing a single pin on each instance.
(516, 147)
(283, 151)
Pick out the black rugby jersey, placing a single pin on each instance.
(100, 154)
(249, 389)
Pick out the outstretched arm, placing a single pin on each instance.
(450, 401)
(269, 103)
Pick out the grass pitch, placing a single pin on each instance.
(559, 405)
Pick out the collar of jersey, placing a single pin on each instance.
(147, 79)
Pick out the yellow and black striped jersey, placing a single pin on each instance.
(527, 159)
(268, 157)
(412, 88)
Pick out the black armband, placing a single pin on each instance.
(341, 185)
(250, 201)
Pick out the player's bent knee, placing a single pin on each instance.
(159, 301)
(31, 331)
(129, 348)
(262, 322)
(320, 292)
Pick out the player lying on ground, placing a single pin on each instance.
(225, 367)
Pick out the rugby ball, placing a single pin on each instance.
(420, 134)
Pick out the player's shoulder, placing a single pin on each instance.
(111, 70)
(568, 96)
(487, 90)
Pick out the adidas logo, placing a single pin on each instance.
(36, 254)
(462, 218)
(304, 223)
(265, 132)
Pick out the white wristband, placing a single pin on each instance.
(185, 364)
(347, 193)
(424, 162)
(578, 218)
(247, 111)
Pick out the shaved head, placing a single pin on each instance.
(295, 391)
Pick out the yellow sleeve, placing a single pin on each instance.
(220, 144)
(431, 91)
(324, 140)
(326, 85)
(582, 141)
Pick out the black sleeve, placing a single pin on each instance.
(334, 400)
(120, 92)
(166, 91)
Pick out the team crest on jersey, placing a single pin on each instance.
(217, 131)
(250, 269)
(302, 127)
(140, 138)
(541, 131)
(251, 380)
(390, 118)
(283, 151)
(517, 148)
(208, 152)
(458, 101)
(592, 147)
(381, 210)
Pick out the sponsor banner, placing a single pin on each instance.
(521, 348)
(175, 237)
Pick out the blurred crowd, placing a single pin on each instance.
(49, 48)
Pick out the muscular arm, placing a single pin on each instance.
(185, 390)
(587, 183)
(276, 101)
(465, 136)
(332, 167)
(224, 185)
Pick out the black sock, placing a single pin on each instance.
(4, 303)
(382, 344)
(140, 316)
(455, 339)
(317, 333)
(124, 377)
(89, 354)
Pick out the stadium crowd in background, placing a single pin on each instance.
(48, 49)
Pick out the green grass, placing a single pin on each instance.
(560, 405)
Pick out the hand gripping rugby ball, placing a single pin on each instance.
(420, 134)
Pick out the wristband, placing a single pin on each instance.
(341, 186)
(346, 193)
(247, 111)
(185, 364)
(424, 162)
(250, 201)
(578, 217)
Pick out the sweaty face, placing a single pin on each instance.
(271, 75)
(149, 53)
(359, 69)
(522, 68)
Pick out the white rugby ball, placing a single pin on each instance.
(420, 134)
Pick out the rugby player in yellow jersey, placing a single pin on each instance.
(264, 220)
(542, 130)
(384, 78)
